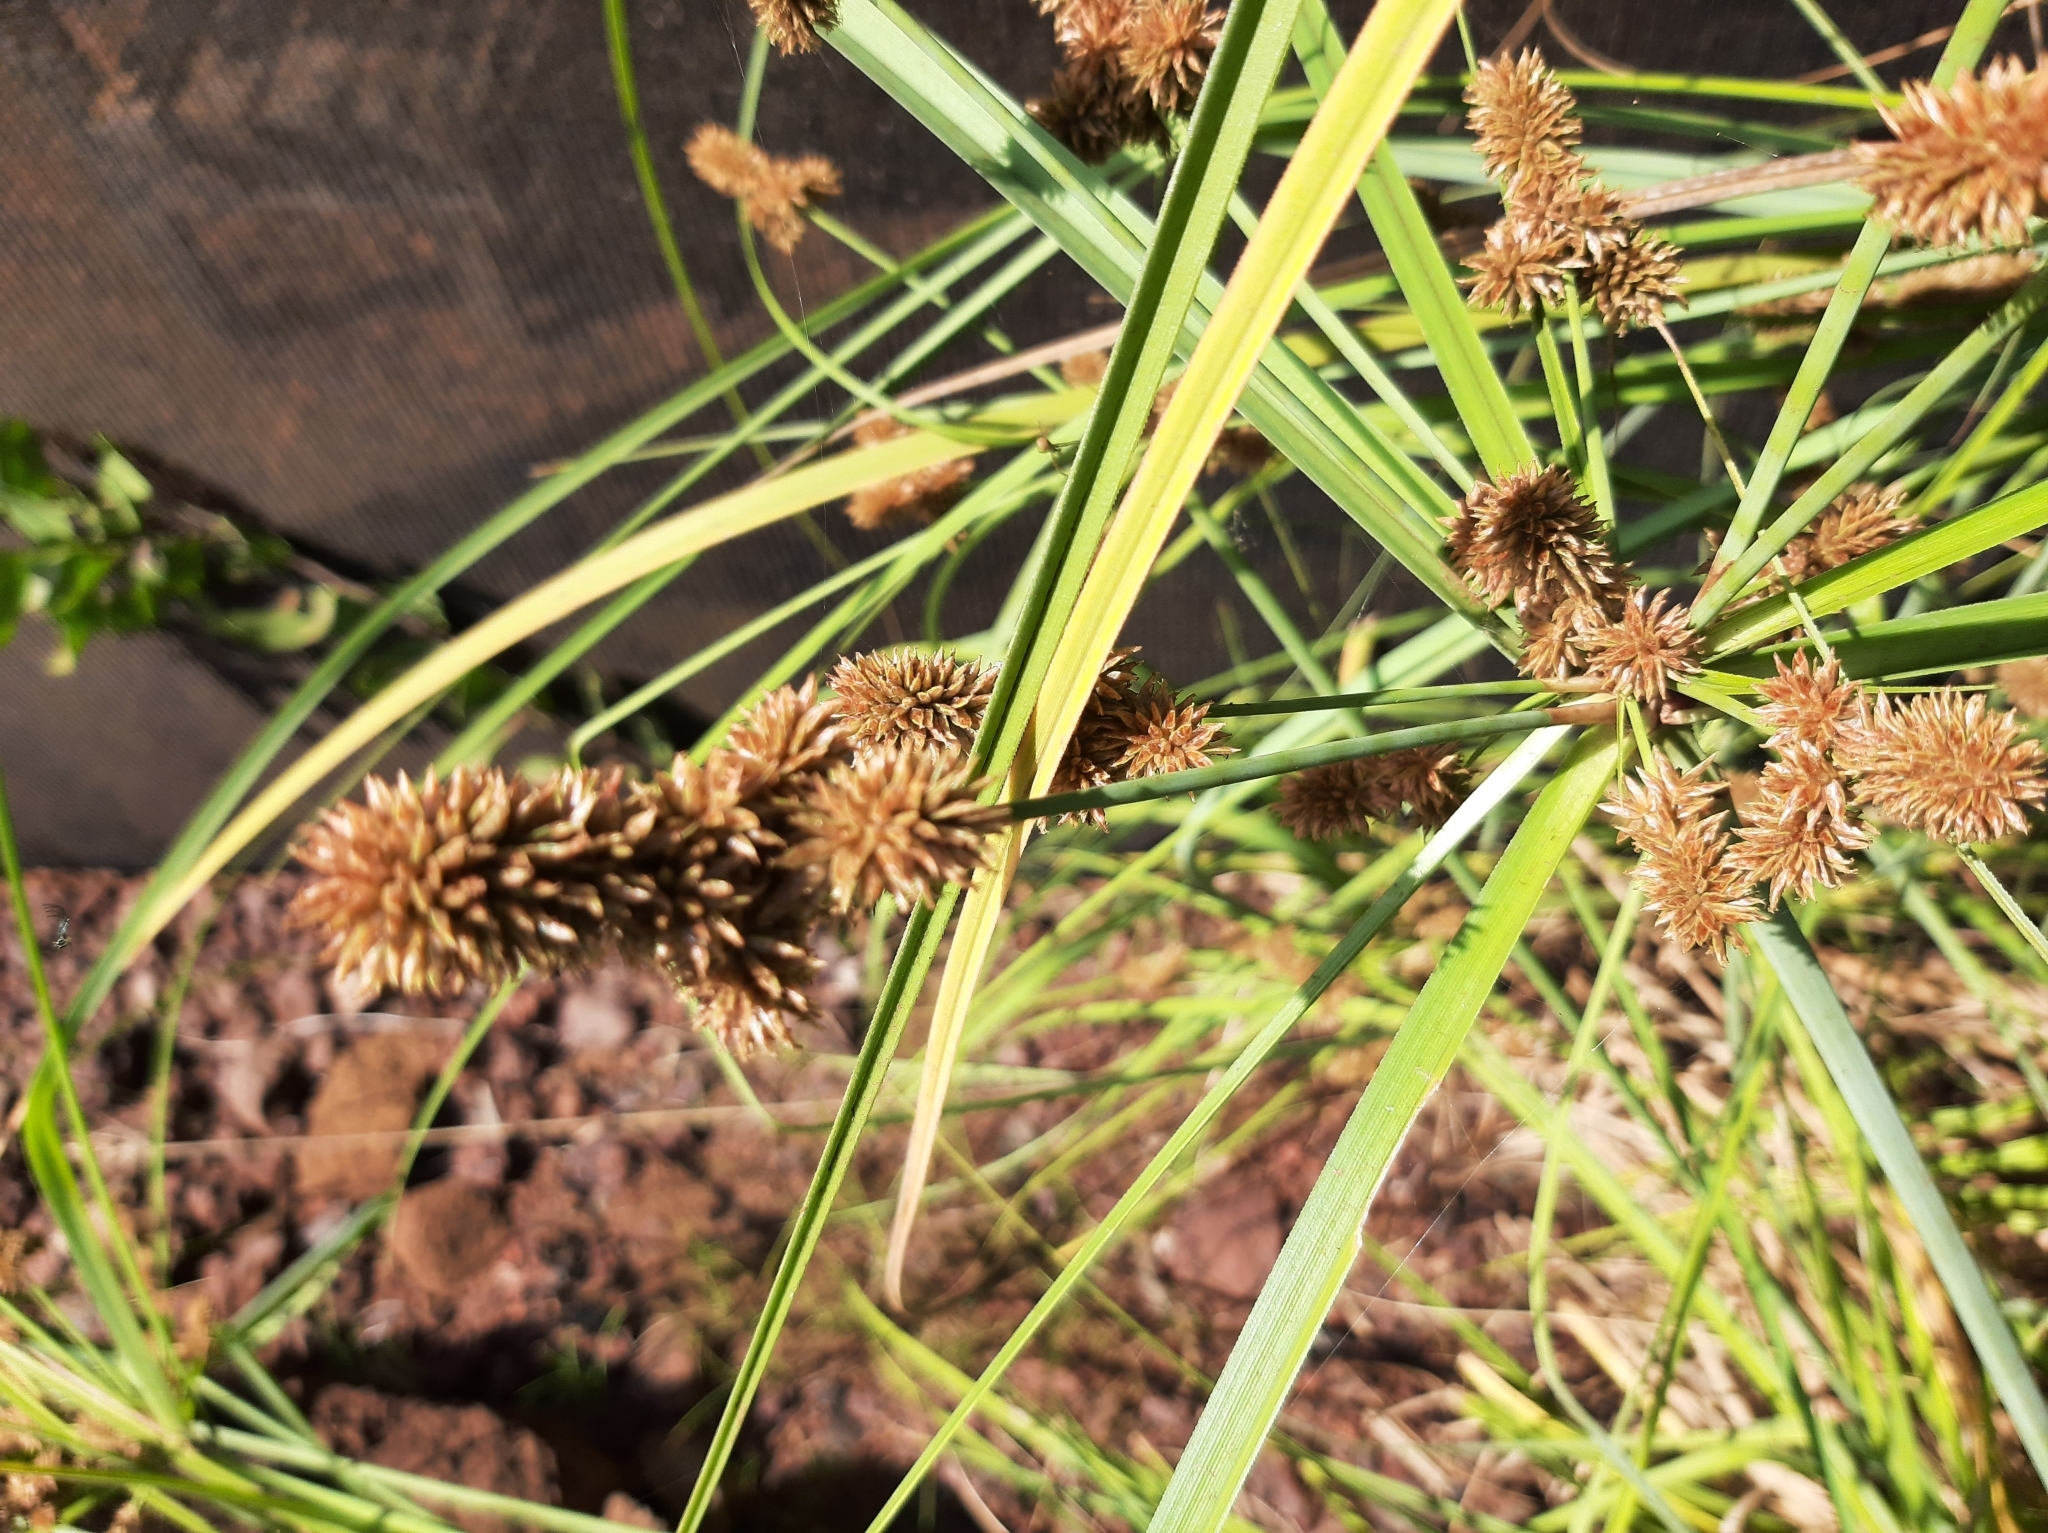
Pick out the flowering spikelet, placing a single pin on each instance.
(1698, 898)
(1094, 756)
(1523, 264)
(771, 189)
(1946, 765)
(1805, 704)
(1163, 734)
(1430, 780)
(1166, 50)
(1630, 283)
(914, 498)
(1797, 831)
(909, 698)
(1550, 646)
(793, 25)
(894, 821)
(1523, 117)
(428, 887)
(1641, 651)
(1971, 159)
(1326, 803)
(2026, 686)
(1862, 519)
(1586, 215)
(1530, 536)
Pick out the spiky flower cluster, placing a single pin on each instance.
(1967, 161)
(1862, 519)
(793, 25)
(1945, 764)
(2026, 686)
(1558, 224)
(912, 499)
(1639, 651)
(1127, 64)
(771, 189)
(1530, 537)
(1686, 873)
(1133, 725)
(908, 699)
(715, 873)
(1326, 803)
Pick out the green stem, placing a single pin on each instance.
(1251, 768)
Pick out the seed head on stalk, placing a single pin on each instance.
(1968, 161)
(1945, 764)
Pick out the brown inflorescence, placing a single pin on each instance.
(1797, 830)
(2026, 686)
(1164, 734)
(1861, 520)
(895, 821)
(1640, 651)
(912, 499)
(1808, 704)
(1968, 160)
(1686, 874)
(1166, 51)
(1558, 224)
(771, 189)
(911, 698)
(428, 887)
(1125, 62)
(1945, 764)
(1328, 802)
(1524, 119)
(1529, 536)
(793, 25)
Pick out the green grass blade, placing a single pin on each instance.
(1780, 944)
(1888, 568)
(1499, 784)
(1324, 1242)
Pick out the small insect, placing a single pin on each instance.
(63, 937)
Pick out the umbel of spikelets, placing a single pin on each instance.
(913, 499)
(1798, 830)
(1945, 764)
(1861, 520)
(1640, 651)
(429, 887)
(894, 821)
(1326, 803)
(906, 698)
(1971, 160)
(1529, 536)
(1686, 874)
(793, 25)
(771, 189)
(1125, 64)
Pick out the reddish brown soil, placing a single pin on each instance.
(573, 1279)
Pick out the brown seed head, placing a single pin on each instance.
(913, 499)
(1969, 160)
(1166, 51)
(1550, 645)
(1326, 803)
(2026, 686)
(1430, 780)
(1685, 870)
(898, 822)
(1946, 765)
(786, 736)
(793, 25)
(1640, 652)
(1522, 265)
(1531, 537)
(771, 189)
(1805, 704)
(1163, 734)
(908, 698)
(1240, 451)
(1630, 283)
(1585, 214)
(1862, 519)
(1086, 370)
(1524, 119)
(1798, 830)
(1095, 755)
